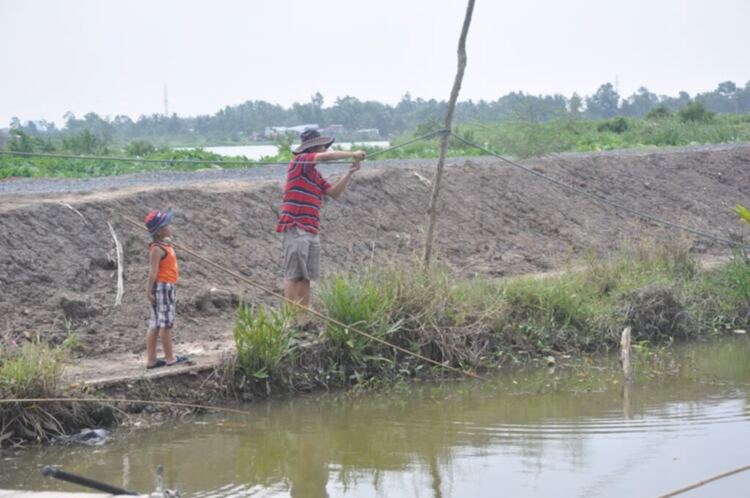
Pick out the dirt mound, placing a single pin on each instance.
(58, 271)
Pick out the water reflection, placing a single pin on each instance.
(567, 432)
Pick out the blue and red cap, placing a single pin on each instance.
(157, 219)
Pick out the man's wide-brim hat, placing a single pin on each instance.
(157, 219)
(310, 139)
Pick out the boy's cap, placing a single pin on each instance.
(157, 219)
(310, 139)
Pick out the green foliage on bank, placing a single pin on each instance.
(522, 139)
(526, 139)
(262, 336)
(31, 371)
(690, 126)
(479, 324)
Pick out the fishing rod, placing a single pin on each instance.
(311, 311)
(60, 474)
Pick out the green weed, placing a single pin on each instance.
(356, 301)
(262, 337)
(33, 371)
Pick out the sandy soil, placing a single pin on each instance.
(57, 269)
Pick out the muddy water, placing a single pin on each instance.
(530, 432)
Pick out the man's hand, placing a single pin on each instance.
(359, 155)
(355, 167)
(151, 296)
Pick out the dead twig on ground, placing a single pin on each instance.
(118, 252)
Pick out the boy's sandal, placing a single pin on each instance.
(158, 363)
(179, 359)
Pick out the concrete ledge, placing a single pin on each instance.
(9, 493)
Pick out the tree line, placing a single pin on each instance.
(241, 122)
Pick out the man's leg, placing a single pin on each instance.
(298, 290)
(290, 289)
(303, 290)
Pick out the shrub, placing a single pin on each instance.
(695, 111)
(616, 125)
(140, 148)
(659, 112)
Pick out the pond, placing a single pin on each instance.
(256, 152)
(569, 431)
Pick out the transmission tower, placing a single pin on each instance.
(166, 102)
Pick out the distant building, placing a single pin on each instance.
(333, 130)
(280, 131)
(366, 134)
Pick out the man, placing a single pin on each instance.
(299, 218)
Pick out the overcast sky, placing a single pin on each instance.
(115, 57)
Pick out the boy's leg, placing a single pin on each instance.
(166, 343)
(151, 346)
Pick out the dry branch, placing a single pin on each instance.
(118, 251)
(432, 210)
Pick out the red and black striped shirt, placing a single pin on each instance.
(303, 195)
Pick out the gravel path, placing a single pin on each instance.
(176, 178)
(35, 186)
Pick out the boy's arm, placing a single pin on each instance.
(334, 155)
(340, 185)
(154, 257)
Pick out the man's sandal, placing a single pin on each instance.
(158, 363)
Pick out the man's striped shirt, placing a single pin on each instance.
(303, 194)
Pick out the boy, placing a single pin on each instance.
(161, 289)
(299, 217)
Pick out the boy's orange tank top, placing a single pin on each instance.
(168, 269)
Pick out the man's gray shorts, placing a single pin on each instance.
(301, 254)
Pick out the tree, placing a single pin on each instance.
(20, 141)
(639, 103)
(727, 89)
(604, 103)
(743, 98)
(575, 105)
(695, 111)
(659, 112)
(84, 142)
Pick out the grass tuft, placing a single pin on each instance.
(262, 337)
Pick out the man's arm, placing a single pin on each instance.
(340, 185)
(154, 258)
(335, 155)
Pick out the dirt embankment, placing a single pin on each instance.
(57, 269)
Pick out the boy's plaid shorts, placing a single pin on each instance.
(163, 312)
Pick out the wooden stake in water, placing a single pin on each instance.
(625, 360)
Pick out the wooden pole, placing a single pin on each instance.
(627, 370)
(432, 210)
(627, 365)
